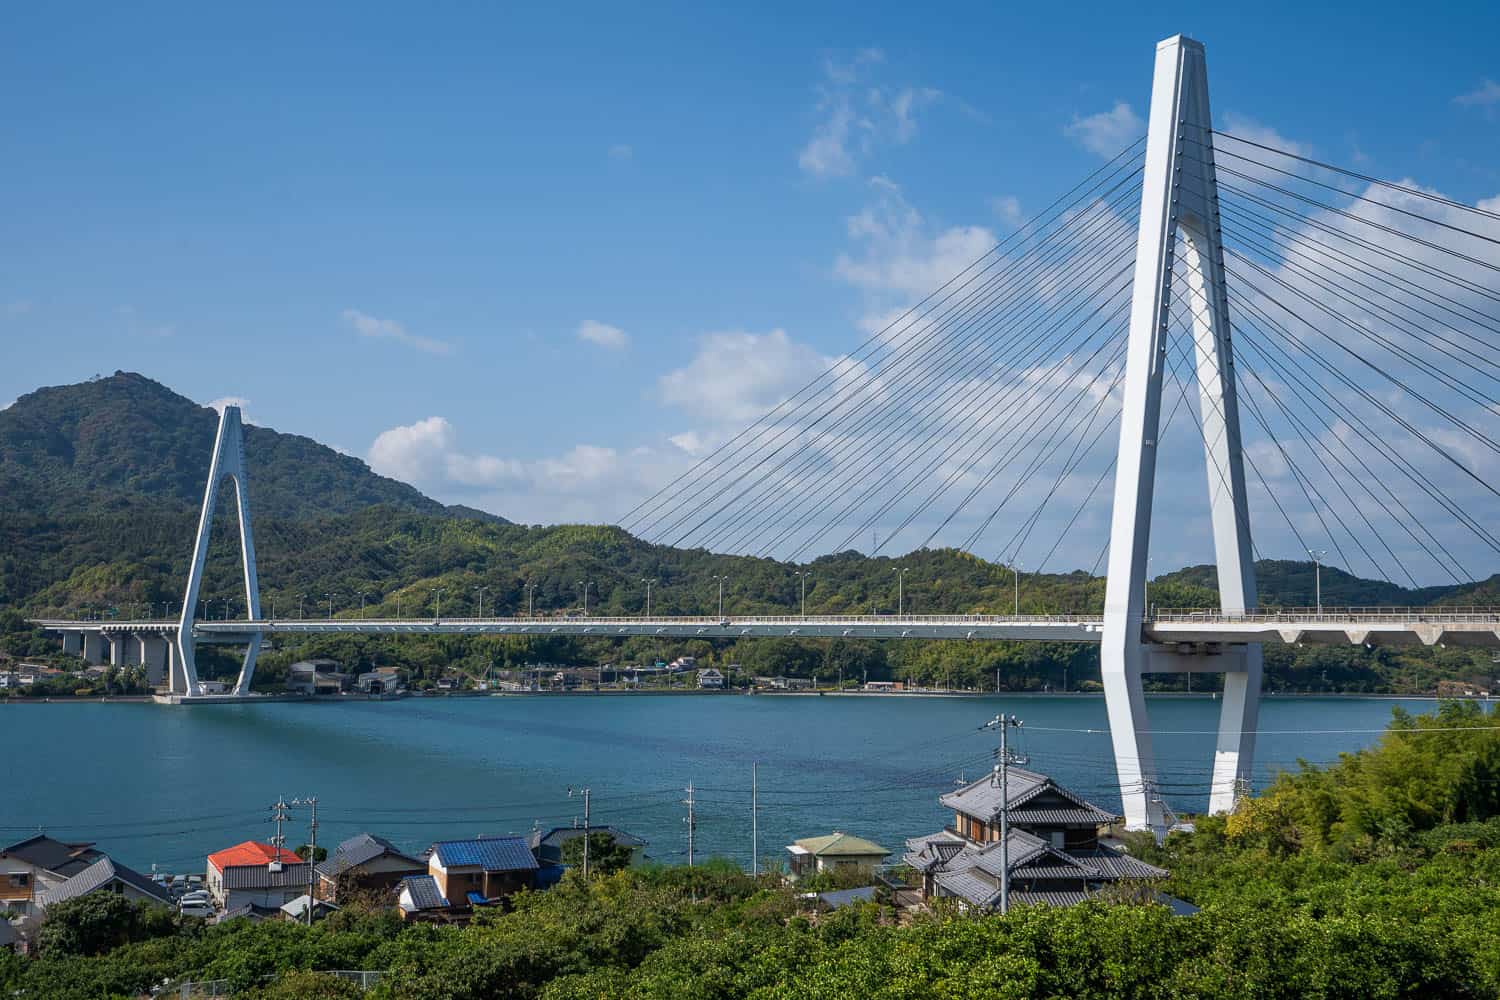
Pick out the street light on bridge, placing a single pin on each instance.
(437, 605)
(1318, 555)
(585, 584)
(301, 611)
(329, 598)
(648, 582)
(803, 575)
(722, 580)
(530, 589)
(481, 591)
(901, 590)
(361, 604)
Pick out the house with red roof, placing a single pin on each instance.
(256, 873)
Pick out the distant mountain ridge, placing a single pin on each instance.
(126, 442)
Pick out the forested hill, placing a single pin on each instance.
(128, 443)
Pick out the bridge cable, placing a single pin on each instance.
(932, 332)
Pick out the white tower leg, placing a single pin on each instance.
(1178, 195)
(228, 461)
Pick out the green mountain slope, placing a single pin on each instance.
(126, 442)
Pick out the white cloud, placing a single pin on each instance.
(897, 252)
(415, 453)
(1486, 94)
(856, 116)
(388, 329)
(18, 307)
(1106, 133)
(738, 376)
(611, 337)
(1007, 208)
(1249, 128)
(621, 151)
(1489, 204)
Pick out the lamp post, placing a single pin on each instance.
(437, 604)
(1017, 571)
(901, 591)
(722, 580)
(648, 581)
(361, 604)
(803, 575)
(481, 591)
(329, 598)
(585, 584)
(1318, 555)
(301, 608)
(530, 594)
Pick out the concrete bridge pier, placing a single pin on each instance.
(117, 645)
(155, 652)
(93, 648)
(72, 643)
(133, 649)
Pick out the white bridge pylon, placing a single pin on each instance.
(228, 463)
(1179, 198)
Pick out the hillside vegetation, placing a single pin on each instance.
(100, 482)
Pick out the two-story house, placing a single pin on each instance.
(1055, 853)
(481, 871)
(256, 873)
(365, 863)
(31, 867)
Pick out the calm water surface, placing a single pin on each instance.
(159, 785)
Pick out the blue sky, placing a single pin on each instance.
(532, 248)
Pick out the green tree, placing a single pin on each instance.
(606, 854)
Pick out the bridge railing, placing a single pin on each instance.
(1457, 614)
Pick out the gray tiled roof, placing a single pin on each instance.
(981, 798)
(968, 886)
(1115, 864)
(424, 893)
(360, 849)
(1078, 815)
(53, 855)
(101, 873)
(262, 877)
(1048, 898)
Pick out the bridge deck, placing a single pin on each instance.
(1369, 626)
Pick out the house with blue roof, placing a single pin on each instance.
(482, 871)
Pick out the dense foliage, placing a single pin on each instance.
(99, 484)
(1378, 877)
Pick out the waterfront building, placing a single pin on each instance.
(1055, 853)
(837, 851)
(365, 863)
(257, 873)
(481, 871)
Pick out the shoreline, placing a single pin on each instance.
(283, 699)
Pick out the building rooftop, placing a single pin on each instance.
(493, 854)
(982, 800)
(53, 855)
(100, 873)
(841, 844)
(424, 894)
(359, 849)
(251, 853)
(559, 835)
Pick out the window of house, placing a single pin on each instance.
(19, 880)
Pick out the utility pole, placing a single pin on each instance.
(312, 850)
(648, 582)
(754, 820)
(1001, 778)
(691, 822)
(279, 816)
(901, 591)
(585, 793)
(1318, 555)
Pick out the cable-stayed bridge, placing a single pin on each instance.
(1334, 334)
